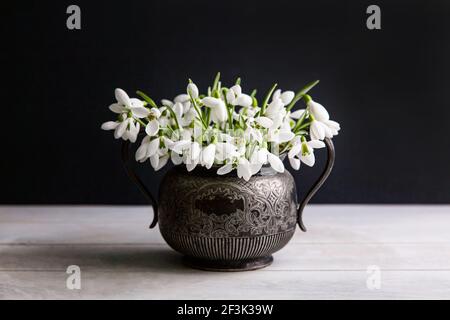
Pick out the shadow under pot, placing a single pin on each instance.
(224, 223)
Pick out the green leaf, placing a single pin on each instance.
(301, 93)
(216, 81)
(147, 99)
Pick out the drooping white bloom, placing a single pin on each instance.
(286, 97)
(124, 105)
(208, 155)
(318, 111)
(218, 108)
(192, 90)
(303, 151)
(184, 131)
(152, 127)
(235, 97)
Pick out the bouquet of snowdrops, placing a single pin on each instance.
(224, 129)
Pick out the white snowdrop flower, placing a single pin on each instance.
(225, 151)
(218, 108)
(147, 148)
(275, 162)
(208, 155)
(127, 129)
(280, 135)
(333, 126)
(193, 90)
(110, 125)
(303, 151)
(125, 104)
(317, 110)
(184, 97)
(317, 130)
(264, 122)
(184, 131)
(274, 108)
(243, 169)
(157, 161)
(286, 96)
(152, 127)
(243, 100)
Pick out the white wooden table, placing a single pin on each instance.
(120, 257)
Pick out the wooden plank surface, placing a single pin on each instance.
(121, 258)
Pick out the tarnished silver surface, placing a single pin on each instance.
(227, 218)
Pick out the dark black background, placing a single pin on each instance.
(388, 88)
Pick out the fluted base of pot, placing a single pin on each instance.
(228, 265)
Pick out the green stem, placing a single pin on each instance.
(200, 115)
(147, 99)
(266, 99)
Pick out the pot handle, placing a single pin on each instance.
(329, 166)
(135, 178)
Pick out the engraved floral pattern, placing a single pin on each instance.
(208, 206)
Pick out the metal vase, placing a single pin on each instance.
(224, 223)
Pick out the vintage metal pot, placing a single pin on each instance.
(224, 223)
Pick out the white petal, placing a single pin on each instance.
(156, 112)
(109, 125)
(181, 98)
(295, 150)
(317, 131)
(154, 160)
(276, 95)
(133, 131)
(120, 130)
(264, 122)
(243, 100)
(211, 102)
(243, 169)
(275, 162)
(274, 107)
(166, 103)
(176, 158)
(236, 89)
(225, 169)
(208, 155)
(230, 96)
(195, 150)
(152, 128)
(295, 163)
(190, 165)
(309, 159)
(328, 131)
(122, 97)
(180, 146)
(162, 162)
(178, 109)
(318, 111)
(153, 147)
(297, 114)
(140, 112)
(333, 124)
(117, 108)
(287, 97)
(316, 144)
(192, 88)
(285, 136)
(141, 152)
